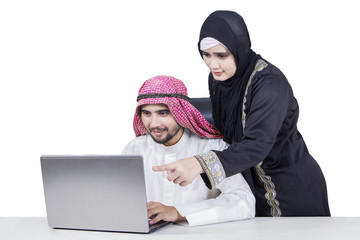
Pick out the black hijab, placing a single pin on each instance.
(226, 96)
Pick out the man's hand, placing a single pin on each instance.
(158, 212)
(182, 171)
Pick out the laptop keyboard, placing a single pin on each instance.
(158, 225)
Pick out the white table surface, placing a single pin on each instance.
(304, 228)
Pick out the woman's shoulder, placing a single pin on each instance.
(268, 74)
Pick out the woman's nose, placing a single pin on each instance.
(214, 63)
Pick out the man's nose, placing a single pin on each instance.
(154, 122)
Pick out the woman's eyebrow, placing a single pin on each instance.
(225, 52)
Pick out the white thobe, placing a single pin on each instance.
(231, 200)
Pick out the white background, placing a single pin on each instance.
(70, 71)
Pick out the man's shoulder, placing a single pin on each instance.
(216, 143)
(137, 143)
(139, 139)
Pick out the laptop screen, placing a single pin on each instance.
(95, 192)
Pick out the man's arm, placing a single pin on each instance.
(236, 202)
(158, 211)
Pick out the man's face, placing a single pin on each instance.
(161, 124)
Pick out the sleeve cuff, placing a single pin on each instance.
(212, 167)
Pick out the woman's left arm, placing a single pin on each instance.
(269, 105)
(271, 95)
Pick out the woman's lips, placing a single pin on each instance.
(218, 74)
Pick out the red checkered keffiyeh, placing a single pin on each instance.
(173, 93)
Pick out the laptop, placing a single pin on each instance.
(96, 192)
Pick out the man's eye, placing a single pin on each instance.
(164, 113)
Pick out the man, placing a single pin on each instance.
(168, 128)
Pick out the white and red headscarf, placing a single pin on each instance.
(173, 93)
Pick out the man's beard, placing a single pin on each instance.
(167, 138)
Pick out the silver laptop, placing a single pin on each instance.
(93, 192)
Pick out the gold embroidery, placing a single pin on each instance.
(269, 186)
(260, 65)
(270, 195)
(212, 166)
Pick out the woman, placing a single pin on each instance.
(254, 108)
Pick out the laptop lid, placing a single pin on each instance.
(94, 192)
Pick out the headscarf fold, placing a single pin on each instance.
(209, 42)
(230, 29)
(173, 93)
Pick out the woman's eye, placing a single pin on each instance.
(205, 54)
(223, 55)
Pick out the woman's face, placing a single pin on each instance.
(220, 62)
